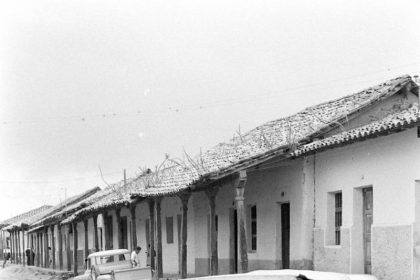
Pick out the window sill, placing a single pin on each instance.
(252, 251)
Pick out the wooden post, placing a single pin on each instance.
(38, 250)
(12, 249)
(31, 257)
(18, 246)
(239, 199)
(214, 260)
(60, 246)
(152, 233)
(133, 227)
(23, 248)
(184, 200)
(46, 253)
(119, 235)
(68, 255)
(95, 232)
(52, 246)
(75, 245)
(86, 249)
(159, 237)
(12, 246)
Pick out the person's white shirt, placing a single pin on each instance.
(135, 259)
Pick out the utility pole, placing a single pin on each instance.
(125, 178)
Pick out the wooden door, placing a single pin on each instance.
(285, 235)
(109, 234)
(124, 232)
(367, 226)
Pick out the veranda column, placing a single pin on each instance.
(12, 246)
(31, 257)
(152, 232)
(38, 250)
(214, 260)
(159, 237)
(46, 253)
(60, 246)
(95, 232)
(23, 248)
(18, 246)
(75, 245)
(184, 231)
(52, 246)
(133, 227)
(239, 199)
(68, 255)
(86, 249)
(119, 235)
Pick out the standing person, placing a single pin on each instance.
(49, 256)
(150, 255)
(6, 258)
(135, 257)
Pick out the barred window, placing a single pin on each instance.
(338, 217)
(254, 227)
(169, 230)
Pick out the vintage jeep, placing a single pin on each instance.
(113, 265)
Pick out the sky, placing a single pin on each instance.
(92, 86)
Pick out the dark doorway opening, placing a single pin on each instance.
(285, 235)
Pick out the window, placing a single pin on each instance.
(338, 216)
(254, 227)
(169, 230)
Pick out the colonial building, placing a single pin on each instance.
(334, 187)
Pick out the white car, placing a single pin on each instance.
(289, 274)
(113, 265)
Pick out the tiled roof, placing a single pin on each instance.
(270, 139)
(114, 195)
(23, 218)
(64, 208)
(274, 138)
(393, 122)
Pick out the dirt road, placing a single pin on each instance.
(14, 272)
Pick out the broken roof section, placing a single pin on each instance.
(64, 209)
(18, 220)
(278, 137)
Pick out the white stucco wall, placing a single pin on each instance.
(390, 165)
(266, 188)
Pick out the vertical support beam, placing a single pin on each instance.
(31, 256)
(38, 250)
(119, 235)
(214, 260)
(152, 232)
(46, 253)
(86, 249)
(133, 227)
(12, 246)
(18, 246)
(240, 182)
(52, 246)
(184, 233)
(68, 255)
(23, 248)
(75, 245)
(95, 232)
(60, 246)
(159, 237)
(106, 234)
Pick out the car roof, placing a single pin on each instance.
(109, 253)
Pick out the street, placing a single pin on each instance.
(24, 273)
